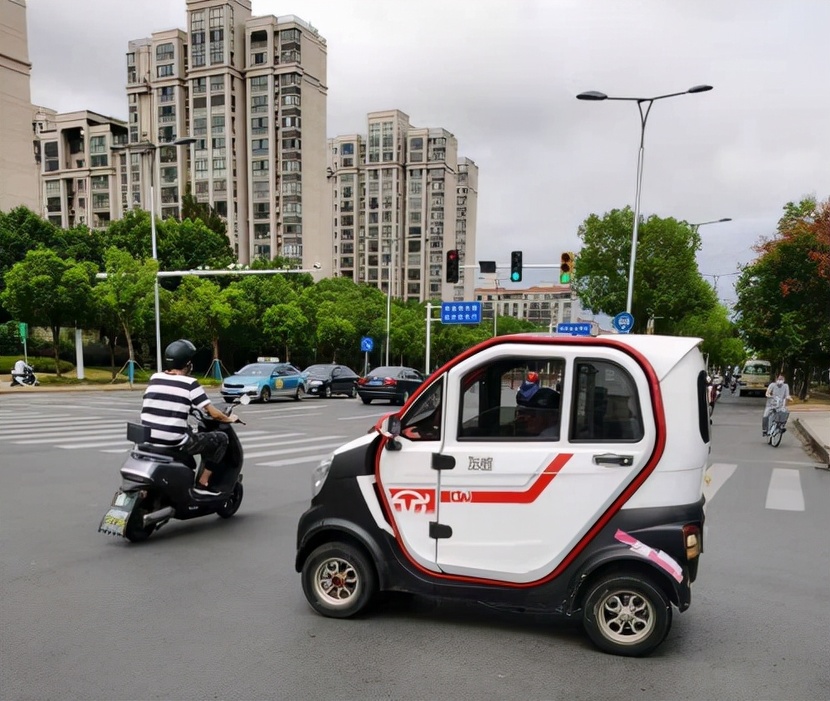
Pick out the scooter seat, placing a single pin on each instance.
(174, 452)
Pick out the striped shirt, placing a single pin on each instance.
(166, 407)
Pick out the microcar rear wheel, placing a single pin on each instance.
(338, 580)
(626, 615)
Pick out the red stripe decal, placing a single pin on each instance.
(528, 496)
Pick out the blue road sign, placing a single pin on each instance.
(623, 322)
(460, 312)
(574, 329)
(366, 344)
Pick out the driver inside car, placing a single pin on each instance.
(539, 417)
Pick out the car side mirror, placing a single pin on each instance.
(391, 428)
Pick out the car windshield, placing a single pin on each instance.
(258, 369)
(319, 370)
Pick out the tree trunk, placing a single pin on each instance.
(130, 352)
(56, 334)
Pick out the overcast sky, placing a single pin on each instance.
(502, 75)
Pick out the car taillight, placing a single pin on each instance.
(389, 381)
(692, 540)
(361, 381)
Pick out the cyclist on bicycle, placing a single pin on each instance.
(780, 391)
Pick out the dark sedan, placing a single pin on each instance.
(394, 383)
(326, 380)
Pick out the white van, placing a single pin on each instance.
(754, 378)
(584, 502)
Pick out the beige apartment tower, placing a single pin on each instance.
(247, 96)
(402, 198)
(18, 172)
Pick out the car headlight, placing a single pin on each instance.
(315, 383)
(251, 388)
(319, 475)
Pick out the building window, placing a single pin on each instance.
(164, 52)
(259, 147)
(199, 85)
(259, 103)
(100, 200)
(259, 83)
(164, 71)
(259, 125)
(259, 167)
(217, 83)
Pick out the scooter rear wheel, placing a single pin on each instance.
(136, 531)
(231, 506)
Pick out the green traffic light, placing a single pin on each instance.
(514, 277)
(564, 278)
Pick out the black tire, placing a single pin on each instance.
(338, 580)
(353, 392)
(327, 392)
(366, 400)
(265, 395)
(299, 394)
(775, 437)
(231, 506)
(135, 531)
(626, 615)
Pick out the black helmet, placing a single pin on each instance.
(178, 354)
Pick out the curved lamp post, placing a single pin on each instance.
(595, 96)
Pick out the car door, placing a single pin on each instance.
(337, 379)
(408, 483)
(513, 508)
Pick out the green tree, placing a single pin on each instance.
(783, 293)
(286, 325)
(203, 211)
(186, 245)
(45, 290)
(125, 298)
(667, 282)
(203, 310)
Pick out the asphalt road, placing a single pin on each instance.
(212, 609)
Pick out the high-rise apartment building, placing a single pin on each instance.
(249, 93)
(544, 305)
(401, 198)
(18, 172)
(80, 173)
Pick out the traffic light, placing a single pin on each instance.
(566, 268)
(516, 266)
(452, 265)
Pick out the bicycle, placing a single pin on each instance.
(777, 423)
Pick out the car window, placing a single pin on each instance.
(256, 369)
(423, 420)
(606, 404)
(492, 407)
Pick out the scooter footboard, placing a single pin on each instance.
(116, 519)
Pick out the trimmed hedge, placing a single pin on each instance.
(40, 364)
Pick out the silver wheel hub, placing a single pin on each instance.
(625, 617)
(336, 581)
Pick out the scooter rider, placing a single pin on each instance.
(777, 390)
(528, 388)
(23, 373)
(168, 399)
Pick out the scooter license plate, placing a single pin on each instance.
(115, 520)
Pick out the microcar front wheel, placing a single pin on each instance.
(338, 580)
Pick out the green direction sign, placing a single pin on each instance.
(22, 329)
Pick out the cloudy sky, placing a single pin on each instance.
(502, 75)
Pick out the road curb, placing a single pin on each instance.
(812, 440)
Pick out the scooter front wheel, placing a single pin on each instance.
(775, 437)
(231, 506)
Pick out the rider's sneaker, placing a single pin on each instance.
(203, 491)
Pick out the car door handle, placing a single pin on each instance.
(612, 459)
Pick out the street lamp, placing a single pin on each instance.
(595, 96)
(148, 147)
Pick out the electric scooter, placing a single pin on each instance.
(27, 378)
(158, 482)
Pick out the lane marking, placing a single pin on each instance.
(715, 477)
(283, 451)
(92, 445)
(367, 417)
(71, 437)
(785, 493)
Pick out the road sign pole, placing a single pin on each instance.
(365, 362)
(429, 325)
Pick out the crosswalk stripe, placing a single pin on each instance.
(272, 437)
(367, 417)
(294, 461)
(784, 492)
(715, 477)
(301, 449)
(70, 436)
(78, 446)
(53, 430)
